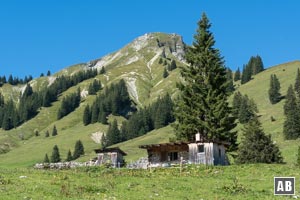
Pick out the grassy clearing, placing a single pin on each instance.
(194, 182)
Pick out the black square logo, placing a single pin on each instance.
(284, 185)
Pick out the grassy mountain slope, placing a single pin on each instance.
(258, 90)
(137, 63)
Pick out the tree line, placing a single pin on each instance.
(155, 116)
(114, 100)
(14, 80)
(69, 104)
(254, 66)
(14, 114)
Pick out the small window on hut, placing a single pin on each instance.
(173, 156)
(201, 148)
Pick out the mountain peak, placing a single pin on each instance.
(149, 43)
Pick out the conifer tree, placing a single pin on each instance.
(256, 147)
(172, 66)
(79, 149)
(46, 101)
(297, 83)
(203, 107)
(165, 62)
(102, 70)
(54, 131)
(103, 141)
(55, 157)
(160, 61)
(113, 134)
(46, 159)
(247, 110)
(291, 126)
(230, 86)
(102, 117)
(87, 115)
(69, 156)
(291, 101)
(165, 73)
(246, 75)
(237, 75)
(256, 64)
(274, 93)
(47, 134)
(236, 103)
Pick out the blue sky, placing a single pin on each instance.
(36, 36)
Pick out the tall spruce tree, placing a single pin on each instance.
(54, 131)
(78, 150)
(55, 157)
(230, 86)
(291, 126)
(203, 107)
(247, 110)
(256, 64)
(47, 134)
(236, 103)
(69, 156)
(297, 82)
(87, 115)
(291, 101)
(246, 75)
(237, 75)
(256, 146)
(103, 141)
(113, 134)
(165, 73)
(274, 90)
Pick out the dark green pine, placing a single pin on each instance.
(256, 146)
(69, 156)
(274, 90)
(237, 75)
(55, 157)
(113, 134)
(291, 126)
(86, 115)
(78, 150)
(297, 82)
(54, 131)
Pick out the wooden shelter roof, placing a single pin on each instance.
(112, 149)
(149, 146)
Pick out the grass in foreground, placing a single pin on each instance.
(195, 182)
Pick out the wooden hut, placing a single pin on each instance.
(200, 151)
(165, 153)
(112, 156)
